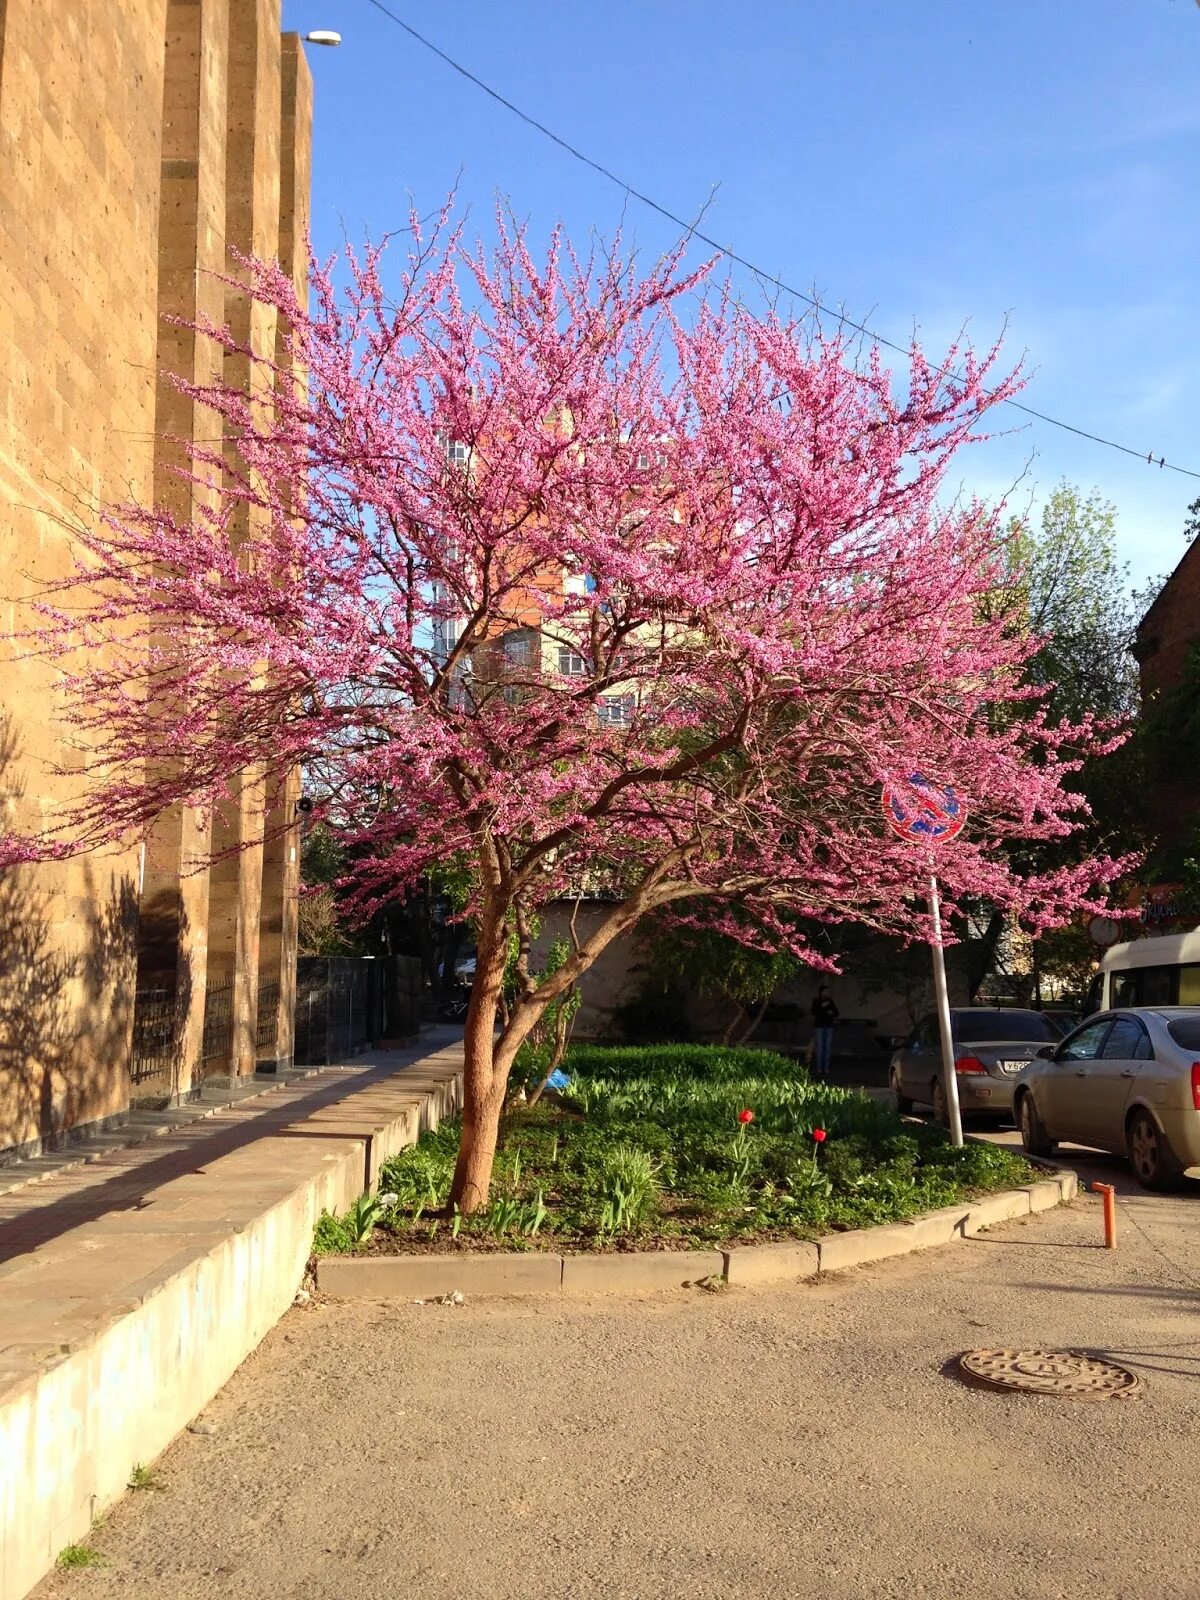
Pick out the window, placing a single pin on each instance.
(1186, 1032)
(1095, 994)
(1127, 1041)
(516, 648)
(571, 664)
(980, 1027)
(458, 454)
(1152, 986)
(1085, 1043)
(1189, 986)
(1123, 989)
(616, 710)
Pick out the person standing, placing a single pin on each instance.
(824, 1015)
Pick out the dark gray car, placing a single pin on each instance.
(991, 1047)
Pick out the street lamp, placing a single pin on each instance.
(322, 36)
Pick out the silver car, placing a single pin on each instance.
(1125, 1081)
(992, 1046)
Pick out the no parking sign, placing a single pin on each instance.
(923, 812)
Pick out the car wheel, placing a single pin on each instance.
(1155, 1165)
(937, 1099)
(900, 1100)
(1033, 1133)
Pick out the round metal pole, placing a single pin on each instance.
(949, 1076)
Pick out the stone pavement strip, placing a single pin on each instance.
(85, 1187)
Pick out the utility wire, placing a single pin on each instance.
(732, 255)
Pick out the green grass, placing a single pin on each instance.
(143, 1478)
(645, 1148)
(79, 1555)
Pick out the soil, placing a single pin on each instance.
(802, 1441)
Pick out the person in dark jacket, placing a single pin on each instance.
(824, 1015)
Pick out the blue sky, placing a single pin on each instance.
(933, 163)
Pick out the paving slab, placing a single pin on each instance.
(786, 1262)
(424, 1277)
(994, 1209)
(864, 1245)
(639, 1271)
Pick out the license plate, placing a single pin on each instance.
(1012, 1066)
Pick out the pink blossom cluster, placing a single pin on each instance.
(734, 523)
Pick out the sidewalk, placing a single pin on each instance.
(133, 1284)
(140, 1125)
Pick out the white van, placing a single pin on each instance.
(1149, 972)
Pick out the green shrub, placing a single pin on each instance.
(628, 1188)
(331, 1237)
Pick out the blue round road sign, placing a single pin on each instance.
(923, 811)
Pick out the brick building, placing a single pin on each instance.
(140, 141)
(1167, 636)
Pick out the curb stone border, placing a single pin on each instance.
(528, 1272)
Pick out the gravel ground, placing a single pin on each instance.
(795, 1442)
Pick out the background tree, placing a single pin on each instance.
(322, 926)
(747, 608)
(694, 958)
(1070, 593)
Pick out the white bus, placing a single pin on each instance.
(1149, 972)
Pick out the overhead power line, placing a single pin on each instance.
(1147, 456)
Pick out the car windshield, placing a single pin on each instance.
(978, 1027)
(1186, 1031)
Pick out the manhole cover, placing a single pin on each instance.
(1066, 1372)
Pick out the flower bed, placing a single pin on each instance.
(676, 1146)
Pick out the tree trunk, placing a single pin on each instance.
(562, 1032)
(737, 1016)
(483, 1084)
(753, 1023)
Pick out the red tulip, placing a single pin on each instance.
(748, 1116)
(819, 1135)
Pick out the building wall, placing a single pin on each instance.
(137, 137)
(80, 128)
(1165, 636)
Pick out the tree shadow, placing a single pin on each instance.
(67, 953)
(1188, 1298)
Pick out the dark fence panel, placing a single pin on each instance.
(403, 979)
(154, 1065)
(217, 1049)
(268, 1018)
(338, 1008)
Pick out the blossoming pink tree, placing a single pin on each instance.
(579, 575)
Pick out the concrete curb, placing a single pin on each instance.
(529, 1272)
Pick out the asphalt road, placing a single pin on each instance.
(803, 1441)
(1168, 1223)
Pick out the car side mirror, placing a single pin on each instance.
(1047, 1052)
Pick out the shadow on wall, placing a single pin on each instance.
(67, 950)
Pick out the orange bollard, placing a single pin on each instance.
(1110, 1213)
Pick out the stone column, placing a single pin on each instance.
(281, 858)
(252, 147)
(173, 939)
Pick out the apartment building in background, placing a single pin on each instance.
(141, 142)
(1166, 648)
